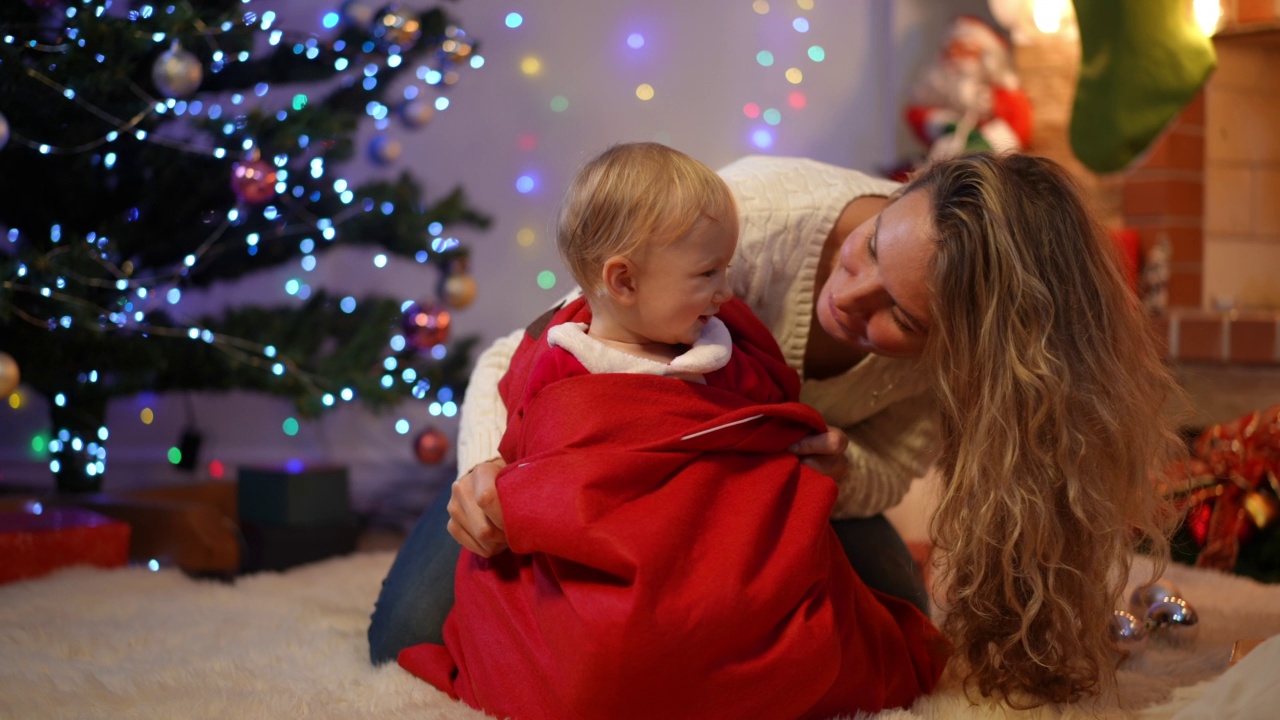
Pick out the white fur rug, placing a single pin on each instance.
(129, 643)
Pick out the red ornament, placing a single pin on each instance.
(426, 326)
(253, 181)
(430, 446)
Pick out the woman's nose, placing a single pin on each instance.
(860, 293)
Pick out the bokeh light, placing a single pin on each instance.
(765, 58)
(15, 400)
(751, 110)
(644, 91)
(525, 184)
(635, 41)
(800, 25)
(772, 116)
(175, 455)
(797, 100)
(290, 426)
(760, 6)
(546, 279)
(217, 469)
(794, 76)
(816, 53)
(530, 65)
(762, 139)
(514, 20)
(525, 237)
(527, 141)
(805, 4)
(559, 103)
(148, 416)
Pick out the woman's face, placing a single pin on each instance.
(877, 298)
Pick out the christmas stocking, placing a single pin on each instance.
(1141, 61)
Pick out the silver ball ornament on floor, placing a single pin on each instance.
(1144, 596)
(1174, 620)
(177, 72)
(1129, 632)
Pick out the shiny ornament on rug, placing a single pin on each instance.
(177, 72)
(9, 374)
(426, 326)
(457, 288)
(395, 27)
(253, 181)
(4, 131)
(1128, 631)
(1173, 620)
(417, 113)
(1144, 596)
(385, 150)
(430, 446)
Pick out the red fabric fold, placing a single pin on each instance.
(671, 559)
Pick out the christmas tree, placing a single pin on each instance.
(152, 149)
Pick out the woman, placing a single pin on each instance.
(993, 272)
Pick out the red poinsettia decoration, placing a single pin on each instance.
(1234, 489)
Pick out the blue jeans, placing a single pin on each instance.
(417, 593)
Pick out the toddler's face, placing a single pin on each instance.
(682, 284)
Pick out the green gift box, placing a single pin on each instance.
(294, 495)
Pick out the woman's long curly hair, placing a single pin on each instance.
(1051, 390)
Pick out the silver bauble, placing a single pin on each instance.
(359, 13)
(384, 150)
(417, 113)
(177, 72)
(1129, 632)
(1173, 620)
(1144, 596)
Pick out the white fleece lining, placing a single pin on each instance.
(709, 353)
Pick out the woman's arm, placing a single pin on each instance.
(482, 418)
(886, 452)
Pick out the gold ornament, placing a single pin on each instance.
(458, 290)
(177, 72)
(396, 28)
(9, 375)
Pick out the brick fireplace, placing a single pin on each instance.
(1209, 187)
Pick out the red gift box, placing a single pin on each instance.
(35, 544)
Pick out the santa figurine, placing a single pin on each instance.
(970, 98)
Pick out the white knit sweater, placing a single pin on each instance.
(787, 208)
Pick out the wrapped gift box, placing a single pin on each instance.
(294, 496)
(34, 544)
(280, 547)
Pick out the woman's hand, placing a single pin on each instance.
(824, 452)
(475, 516)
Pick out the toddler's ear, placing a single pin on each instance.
(619, 276)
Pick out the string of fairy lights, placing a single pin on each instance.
(265, 185)
(262, 185)
(784, 63)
